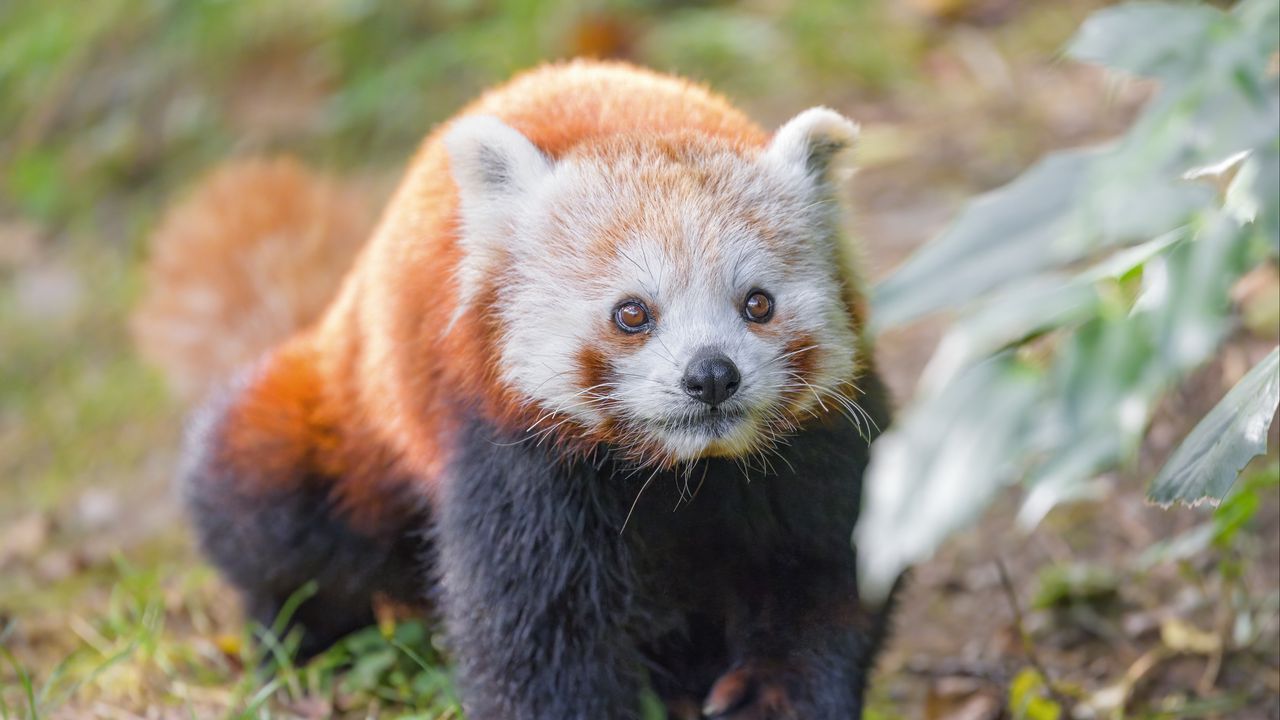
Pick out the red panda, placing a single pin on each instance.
(595, 389)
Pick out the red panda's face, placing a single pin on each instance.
(672, 297)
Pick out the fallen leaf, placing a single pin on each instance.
(229, 644)
(1181, 636)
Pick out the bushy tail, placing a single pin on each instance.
(255, 252)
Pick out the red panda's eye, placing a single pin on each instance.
(758, 307)
(631, 316)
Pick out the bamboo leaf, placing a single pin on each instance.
(1207, 462)
(1013, 231)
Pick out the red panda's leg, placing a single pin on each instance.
(799, 662)
(536, 585)
(276, 532)
(802, 641)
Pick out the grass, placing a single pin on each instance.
(145, 649)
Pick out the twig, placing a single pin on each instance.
(989, 673)
(1024, 637)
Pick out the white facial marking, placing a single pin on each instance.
(689, 236)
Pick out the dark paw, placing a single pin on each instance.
(749, 692)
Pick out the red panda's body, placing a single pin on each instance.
(408, 439)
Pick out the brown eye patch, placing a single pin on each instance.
(758, 306)
(631, 316)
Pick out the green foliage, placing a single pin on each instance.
(1232, 434)
(1075, 584)
(98, 95)
(1236, 512)
(1087, 288)
(1011, 232)
(133, 648)
(400, 667)
(24, 682)
(393, 663)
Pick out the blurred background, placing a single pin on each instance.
(110, 109)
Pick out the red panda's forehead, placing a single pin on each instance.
(688, 196)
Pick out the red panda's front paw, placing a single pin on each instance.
(750, 691)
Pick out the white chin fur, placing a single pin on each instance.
(693, 444)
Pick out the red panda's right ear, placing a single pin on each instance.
(495, 169)
(491, 160)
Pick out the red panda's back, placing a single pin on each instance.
(559, 106)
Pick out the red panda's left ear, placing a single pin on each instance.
(818, 143)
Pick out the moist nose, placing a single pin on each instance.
(711, 378)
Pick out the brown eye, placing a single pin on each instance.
(631, 316)
(758, 307)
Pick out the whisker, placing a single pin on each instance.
(635, 502)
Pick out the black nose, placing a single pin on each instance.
(711, 378)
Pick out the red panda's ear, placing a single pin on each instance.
(491, 160)
(495, 169)
(818, 143)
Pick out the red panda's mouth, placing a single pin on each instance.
(716, 421)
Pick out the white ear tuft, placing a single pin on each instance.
(496, 169)
(491, 160)
(818, 142)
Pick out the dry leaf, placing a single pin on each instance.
(1183, 637)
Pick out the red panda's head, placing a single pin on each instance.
(673, 295)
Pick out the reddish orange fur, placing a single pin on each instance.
(256, 251)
